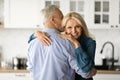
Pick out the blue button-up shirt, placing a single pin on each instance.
(54, 62)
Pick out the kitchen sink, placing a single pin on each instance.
(101, 67)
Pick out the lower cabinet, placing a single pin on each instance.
(26, 76)
(107, 77)
(15, 76)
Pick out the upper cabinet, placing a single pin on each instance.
(1, 13)
(21, 14)
(98, 14)
(103, 14)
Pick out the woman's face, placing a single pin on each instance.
(74, 28)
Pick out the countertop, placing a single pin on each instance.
(107, 72)
(13, 71)
(26, 71)
(1, 26)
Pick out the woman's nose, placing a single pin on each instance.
(74, 30)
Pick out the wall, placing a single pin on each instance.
(103, 35)
(14, 42)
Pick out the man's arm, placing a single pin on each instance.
(33, 51)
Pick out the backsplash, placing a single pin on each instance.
(102, 36)
(14, 42)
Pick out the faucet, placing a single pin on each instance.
(112, 60)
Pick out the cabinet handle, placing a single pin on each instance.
(20, 75)
(112, 26)
(38, 25)
(116, 26)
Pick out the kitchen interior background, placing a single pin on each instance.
(13, 42)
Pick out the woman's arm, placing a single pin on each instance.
(85, 59)
(31, 38)
(42, 37)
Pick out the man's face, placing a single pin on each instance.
(58, 19)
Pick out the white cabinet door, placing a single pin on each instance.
(107, 77)
(6, 76)
(22, 76)
(104, 14)
(98, 14)
(80, 6)
(115, 20)
(15, 76)
(21, 13)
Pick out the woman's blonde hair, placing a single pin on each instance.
(79, 19)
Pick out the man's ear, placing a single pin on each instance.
(52, 19)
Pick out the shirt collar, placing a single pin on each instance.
(51, 30)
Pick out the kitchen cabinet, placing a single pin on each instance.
(1, 12)
(62, 4)
(107, 77)
(80, 6)
(104, 14)
(25, 13)
(67, 6)
(21, 13)
(98, 14)
(15, 76)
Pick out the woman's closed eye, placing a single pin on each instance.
(78, 26)
(69, 27)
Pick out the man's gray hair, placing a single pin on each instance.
(48, 11)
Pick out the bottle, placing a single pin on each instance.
(15, 63)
